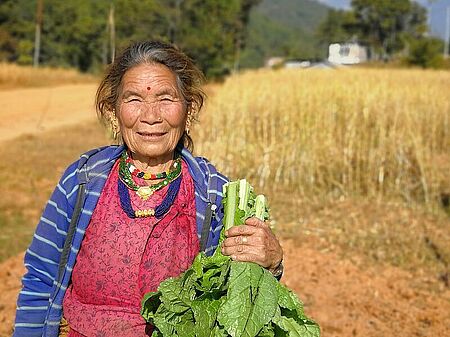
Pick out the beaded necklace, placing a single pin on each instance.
(158, 212)
(144, 192)
(141, 174)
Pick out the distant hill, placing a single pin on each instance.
(283, 28)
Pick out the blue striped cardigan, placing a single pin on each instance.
(39, 305)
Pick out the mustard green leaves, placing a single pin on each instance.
(218, 297)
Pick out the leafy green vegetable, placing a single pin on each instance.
(218, 297)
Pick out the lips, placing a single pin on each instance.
(151, 134)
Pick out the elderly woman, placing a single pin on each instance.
(124, 218)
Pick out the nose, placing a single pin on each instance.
(151, 113)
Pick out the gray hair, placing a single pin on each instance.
(189, 79)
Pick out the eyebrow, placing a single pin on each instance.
(166, 91)
(129, 93)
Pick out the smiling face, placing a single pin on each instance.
(152, 113)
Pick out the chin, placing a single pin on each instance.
(154, 151)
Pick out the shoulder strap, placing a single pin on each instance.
(209, 212)
(71, 231)
(206, 226)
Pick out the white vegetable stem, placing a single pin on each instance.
(260, 206)
(230, 192)
(244, 194)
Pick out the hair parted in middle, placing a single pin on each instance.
(189, 79)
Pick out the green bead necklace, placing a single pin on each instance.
(144, 192)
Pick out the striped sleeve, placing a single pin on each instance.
(214, 184)
(42, 257)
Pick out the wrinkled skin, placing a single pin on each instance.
(152, 115)
(253, 242)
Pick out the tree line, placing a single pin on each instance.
(78, 33)
(84, 34)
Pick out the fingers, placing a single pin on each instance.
(242, 230)
(240, 240)
(255, 222)
(245, 253)
(253, 242)
(248, 257)
(252, 225)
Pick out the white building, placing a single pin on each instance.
(347, 53)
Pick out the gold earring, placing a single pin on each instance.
(115, 127)
(188, 123)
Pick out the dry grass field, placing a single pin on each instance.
(13, 76)
(354, 162)
(381, 134)
(317, 141)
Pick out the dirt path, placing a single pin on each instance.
(36, 110)
(344, 299)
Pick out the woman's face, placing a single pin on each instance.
(151, 111)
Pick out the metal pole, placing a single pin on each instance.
(447, 33)
(37, 35)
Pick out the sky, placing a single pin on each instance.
(437, 9)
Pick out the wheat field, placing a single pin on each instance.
(336, 133)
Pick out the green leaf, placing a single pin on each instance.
(205, 314)
(174, 296)
(219, 331)
(267, 331)
(150, 304)
(186, 328)
(306, 328)
(156, 333)
(251, 300)
(214, 279)
(287, 299)
(197, 265)
(163, 321)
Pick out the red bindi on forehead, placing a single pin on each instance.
(148, 88)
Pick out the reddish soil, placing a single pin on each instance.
(346, 300)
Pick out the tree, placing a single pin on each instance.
(75, 33)
(17, 31)
(383, 23)
(213, 32)
(426, 53)
(338, 26)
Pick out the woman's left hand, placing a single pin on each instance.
(253, 242)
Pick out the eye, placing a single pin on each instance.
(166, 99)
(131, 100)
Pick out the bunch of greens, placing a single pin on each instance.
(218, 297)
